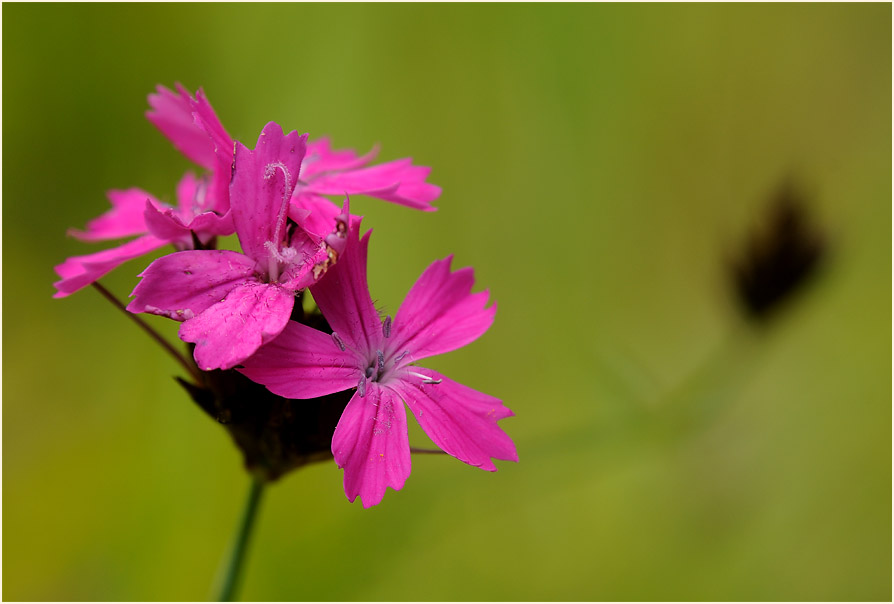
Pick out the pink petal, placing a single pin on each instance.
(210, 224)
(440, 313)
(232, 330)
(321, 158)
(343, 296)
(166, 223)
(303, 363)
(207, 121)
(371, 445)
(80, 271)
(261, 187)
(460, 420)
(191, 194)
(185, 284)
(398, 181)
(313, 213)
(199, 214)
(172, 114)
(123, 220)
(313, 255)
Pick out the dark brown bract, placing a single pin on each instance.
(779, 259)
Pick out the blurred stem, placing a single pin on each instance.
(189, 366)
(696, 401)
(678, 412)
(232, 572)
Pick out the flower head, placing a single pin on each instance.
(376, 357)
(203, 203)
(136, 212)
(230, 302)
(190, 123)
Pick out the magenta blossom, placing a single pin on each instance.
(189, 122)
(136, 212)
(370, 443)
(231, 303)
(203, 203)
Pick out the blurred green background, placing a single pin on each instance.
(600, 165)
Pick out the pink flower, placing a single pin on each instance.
(189, 121)
(203, 203)
(230, 302)
(370, 443)
(192, 126)
(136, 212)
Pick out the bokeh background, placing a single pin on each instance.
(600, 164)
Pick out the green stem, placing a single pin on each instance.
(186, 363)
(708, 390)
(233, 570)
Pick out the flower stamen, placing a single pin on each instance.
(338, 341)
(425, 379)
(273, 247)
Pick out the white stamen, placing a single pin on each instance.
(425, 378)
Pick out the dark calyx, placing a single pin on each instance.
(275, 434)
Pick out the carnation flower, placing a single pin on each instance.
(376, 357)
(202, 203)
(230, 302)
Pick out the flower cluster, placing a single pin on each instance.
(241, 311)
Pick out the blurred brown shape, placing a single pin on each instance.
(779, 259)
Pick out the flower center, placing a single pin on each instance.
(378, 367)
(374, 372)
